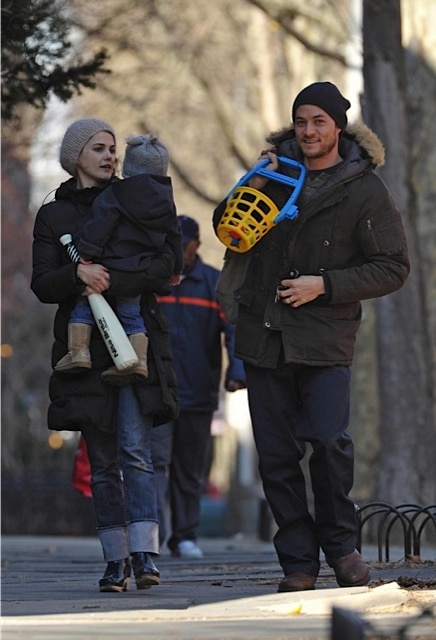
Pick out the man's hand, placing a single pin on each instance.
(234, 385)
(301, 290)
(258, 182)
(175, 280)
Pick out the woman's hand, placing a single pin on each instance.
(95, 276)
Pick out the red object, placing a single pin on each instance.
(81, 479)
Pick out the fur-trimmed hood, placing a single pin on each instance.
(369, 145)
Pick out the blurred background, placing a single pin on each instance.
(213, 79)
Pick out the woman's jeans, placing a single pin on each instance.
(290, 406)
(123, 482)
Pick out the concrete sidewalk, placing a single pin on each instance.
(50, 591)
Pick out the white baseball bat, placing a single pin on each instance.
(114, 336)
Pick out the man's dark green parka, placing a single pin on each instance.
(348, 230)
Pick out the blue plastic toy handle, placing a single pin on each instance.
(289, 210)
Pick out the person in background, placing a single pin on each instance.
(132, 221)
(298, 316)
(116, 424)
(197, 328)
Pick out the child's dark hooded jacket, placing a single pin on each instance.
(132, 220)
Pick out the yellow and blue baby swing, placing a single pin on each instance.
(250, 214)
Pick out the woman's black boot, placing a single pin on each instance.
(117, 576)
(146, 573)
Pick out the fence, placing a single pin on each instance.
(412, 520)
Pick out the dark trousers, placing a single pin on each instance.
(290, 406)
(161, 451)
(190, 461)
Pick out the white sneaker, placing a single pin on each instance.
(188, 549)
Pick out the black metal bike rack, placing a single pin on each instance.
(411, 519)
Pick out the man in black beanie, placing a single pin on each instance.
(327, 96)
(296, 333)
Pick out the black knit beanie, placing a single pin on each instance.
(327, 96)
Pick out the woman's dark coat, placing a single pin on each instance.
(83, 399)
(350, 232)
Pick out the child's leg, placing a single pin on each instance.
(129, 313)
(80, 326)
(82, 311)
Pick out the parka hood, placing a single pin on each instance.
(369, 146)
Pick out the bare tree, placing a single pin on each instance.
(405, 359)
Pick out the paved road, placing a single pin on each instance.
(50, 592)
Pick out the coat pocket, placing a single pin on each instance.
(231, 278)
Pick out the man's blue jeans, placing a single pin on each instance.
(123, 482)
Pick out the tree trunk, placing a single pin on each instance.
(407, 423)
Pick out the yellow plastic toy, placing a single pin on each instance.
(250, 214)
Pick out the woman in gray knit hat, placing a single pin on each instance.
(132, 221)
(115, 423)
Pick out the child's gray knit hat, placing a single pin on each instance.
(145, 154)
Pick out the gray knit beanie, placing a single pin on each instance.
(327, 96)
(145, 154)
(75, 138)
